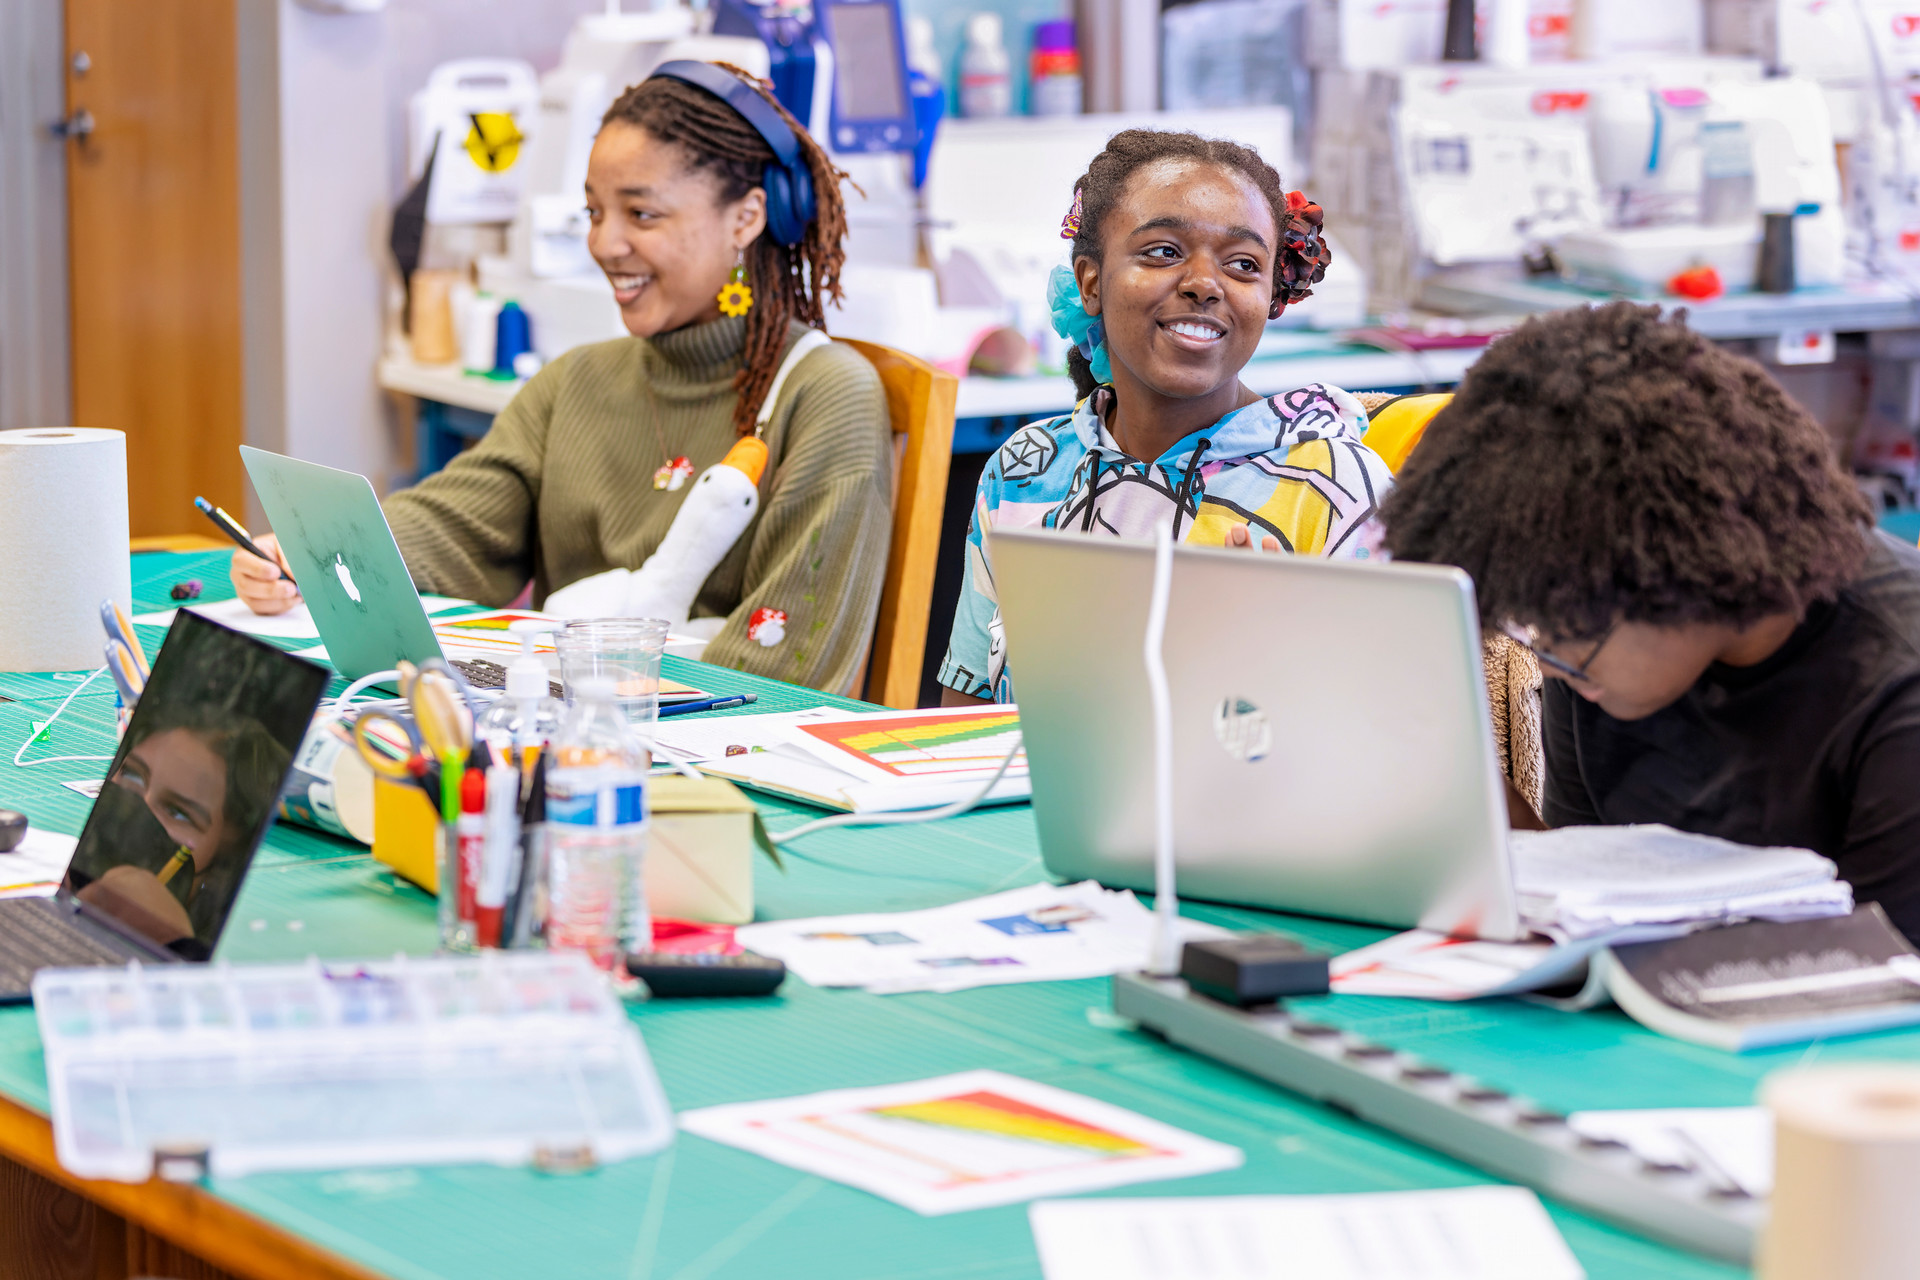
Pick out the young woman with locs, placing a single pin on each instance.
(719, 224)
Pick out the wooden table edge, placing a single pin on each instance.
(188, 1216)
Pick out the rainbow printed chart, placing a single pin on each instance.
(490, 631)
(932, 745)
(967, 1141)
(984, 1111)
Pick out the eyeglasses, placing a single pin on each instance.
(1528, 638)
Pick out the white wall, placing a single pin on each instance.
(323, 161)
(335, 212)
(314, 209)
(34, 376)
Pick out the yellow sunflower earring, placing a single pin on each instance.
(736, 297)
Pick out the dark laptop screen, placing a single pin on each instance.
(194, 784)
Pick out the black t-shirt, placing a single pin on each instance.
(1818, 746)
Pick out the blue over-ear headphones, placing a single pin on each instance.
(788, 182)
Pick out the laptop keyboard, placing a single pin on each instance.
(35, 936)
(482, 674)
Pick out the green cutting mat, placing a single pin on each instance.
(704, 1210)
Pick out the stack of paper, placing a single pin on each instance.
(1584, 889)
(1585, 882)
(35, 867)
(1465, 1233)
(296, 623)
(877, 762)
(1037, 934)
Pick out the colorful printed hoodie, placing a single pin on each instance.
(1291, 465)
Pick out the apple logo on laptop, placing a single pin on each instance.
(346, 577)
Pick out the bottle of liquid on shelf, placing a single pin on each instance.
(929, 94)
(986, 72)
(1055, 90)
(596, 846)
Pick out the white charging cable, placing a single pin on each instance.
(1164, 957)
(343, 703)
(953, 810)
(32, 733)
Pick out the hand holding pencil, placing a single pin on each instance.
(266, 585)
(260, 572)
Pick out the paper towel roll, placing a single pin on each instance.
(63, 545)
(1846, 1174)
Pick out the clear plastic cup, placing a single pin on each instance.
(626, 649)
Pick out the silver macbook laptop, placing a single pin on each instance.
(346, 562)
(1333, 752)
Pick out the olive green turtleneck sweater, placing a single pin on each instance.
(562, 488)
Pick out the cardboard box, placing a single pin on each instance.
(704, 835)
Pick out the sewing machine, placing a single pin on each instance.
(1629, 171)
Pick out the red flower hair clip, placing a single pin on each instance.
(1304, 255)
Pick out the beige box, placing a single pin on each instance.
(703, 836)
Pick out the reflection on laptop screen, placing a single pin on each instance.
(194, 785)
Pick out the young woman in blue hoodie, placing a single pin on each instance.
(1183, 248)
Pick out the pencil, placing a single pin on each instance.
(236, 531)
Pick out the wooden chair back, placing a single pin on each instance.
(920, 400)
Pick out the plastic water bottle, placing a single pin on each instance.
(597, 832)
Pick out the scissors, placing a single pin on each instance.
(377, 752)
(125, 672)
(120, 628)
(440, 710)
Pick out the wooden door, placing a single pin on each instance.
(154, 247)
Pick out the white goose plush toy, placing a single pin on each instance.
(717, 510)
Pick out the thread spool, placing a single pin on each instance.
(1776, 273)
(513, 336)
(63, 544)
(1506, 42)
(1846, 1173)
(430, 317)
(477, 323)
(1459, 44)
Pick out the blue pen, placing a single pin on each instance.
(722, 703)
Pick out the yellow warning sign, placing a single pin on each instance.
(493, 143)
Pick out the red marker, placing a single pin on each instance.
(472, 830)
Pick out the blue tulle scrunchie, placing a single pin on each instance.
(1071, 321)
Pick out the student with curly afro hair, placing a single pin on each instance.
(1736, 652)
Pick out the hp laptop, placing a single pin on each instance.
(190, 794)
(1333, 752)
